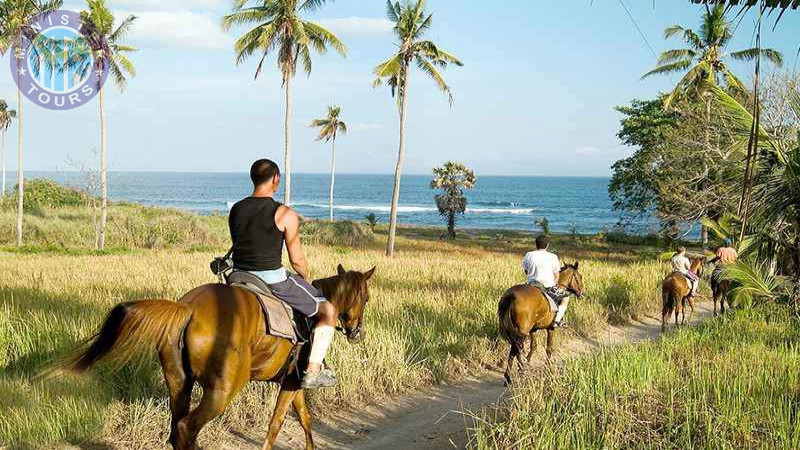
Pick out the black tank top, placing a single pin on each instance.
(257, 241)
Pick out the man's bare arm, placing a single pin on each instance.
(288, 221)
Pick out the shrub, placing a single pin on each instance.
(343, 233)
(47, 193)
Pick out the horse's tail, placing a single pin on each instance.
(130, 328)
(508, 327)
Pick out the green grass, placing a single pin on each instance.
(432, 317)
(732, 382)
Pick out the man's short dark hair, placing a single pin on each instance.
(263, 170)
(542, 241)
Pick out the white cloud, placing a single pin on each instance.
(182, 29)
(358, 25)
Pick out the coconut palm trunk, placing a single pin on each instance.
(333, 173)
(101, 231)
(3, 161)
(398, 172)
(20, 176)
(287, 143)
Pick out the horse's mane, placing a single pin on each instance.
(341, 290)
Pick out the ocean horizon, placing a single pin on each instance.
(497, 202)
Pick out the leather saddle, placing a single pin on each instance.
(281, 319)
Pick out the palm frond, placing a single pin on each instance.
(750, 54)
(428, 68)
(671, 56)
(123, 29)
(677, 66)
(322, 37)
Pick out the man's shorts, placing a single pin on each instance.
(299, 294)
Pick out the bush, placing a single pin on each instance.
(343, 233)
(48, 193)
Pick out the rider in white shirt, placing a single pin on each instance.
(542, 269)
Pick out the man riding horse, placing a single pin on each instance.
(682, 265)
(259, 227)
(542, 270)
(724, 255)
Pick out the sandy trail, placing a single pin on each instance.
(432, 418)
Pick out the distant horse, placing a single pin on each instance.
(675, 290)
(523, 310)
(720, 287)
(215, 336)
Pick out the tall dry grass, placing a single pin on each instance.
(432, 319)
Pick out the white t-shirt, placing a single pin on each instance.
(681, 263)
(541, 266)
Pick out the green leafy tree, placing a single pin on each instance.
(544, 224)
(330, 127)
(632, 188)
(280, 28)
(703, 63)
(6, 116)
(452, 178)
(410, 24)
(15, 16)
(98, 22)
(372, 221)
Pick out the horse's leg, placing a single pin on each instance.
(715, 295)
(285, 397)
(216, 397)
(512, 354)
(300, 408)
(532, 338)
(691, 307)
(551, 342)
(179, 384)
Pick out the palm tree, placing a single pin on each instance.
(329, 127)
(280, 28)
(15, 16)
(6, 116)
(99, 20)
(452, 178)
(703, 61)
(410, 24)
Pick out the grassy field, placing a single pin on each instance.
(732, 382)
(432, 318)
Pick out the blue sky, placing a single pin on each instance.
(535, 96)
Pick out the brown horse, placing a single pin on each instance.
(214, 335)
(720, 288)
(523, 310)
(675, 296)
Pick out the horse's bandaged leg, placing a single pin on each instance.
(323, 336)
(562, 309)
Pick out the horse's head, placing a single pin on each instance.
(351, 298)
(698, 265)
(571, 280)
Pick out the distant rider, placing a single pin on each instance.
(542, 269)
(259, 228)
(681, 264)
(724, 255)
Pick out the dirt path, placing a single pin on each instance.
(432, 418)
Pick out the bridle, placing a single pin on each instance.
(569, 283)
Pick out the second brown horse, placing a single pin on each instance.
(675, 294)
(523, 310)
(214, 335)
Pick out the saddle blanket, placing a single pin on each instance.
(548, 295)
(279, 317)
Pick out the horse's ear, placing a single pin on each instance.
(369, 273)
(576, 265)
(340, 270)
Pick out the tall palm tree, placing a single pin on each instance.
(6, 116)
(14, 18)
(410, 24)
(330, 127)
(703, 61)
(99, 21)
(280, 28)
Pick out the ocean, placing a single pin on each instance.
(497, 202)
